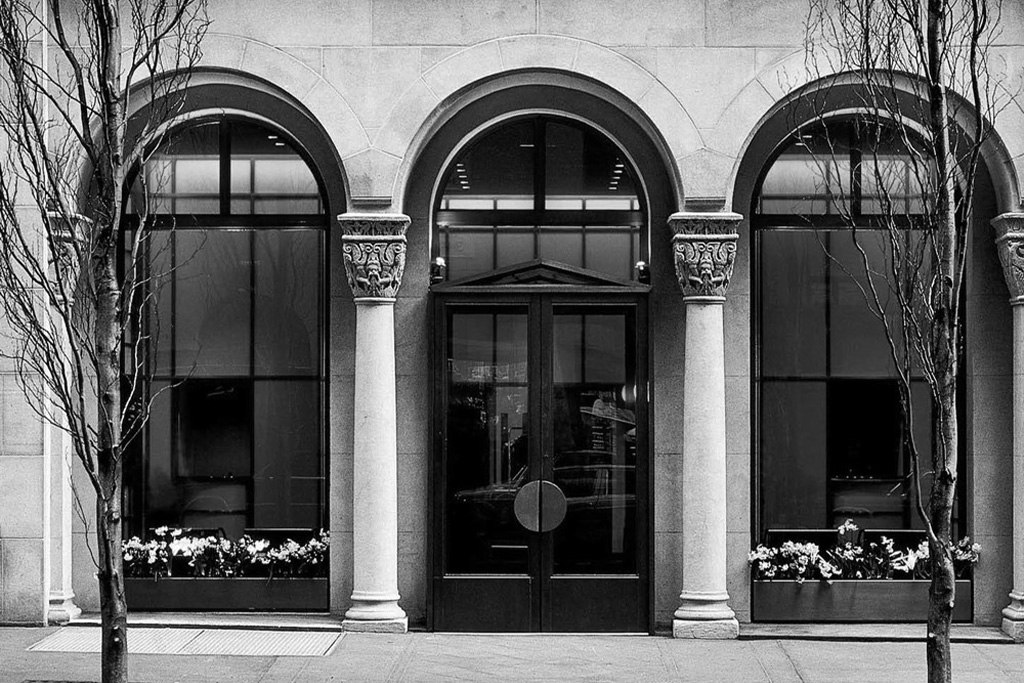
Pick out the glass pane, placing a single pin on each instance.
(510, 363)
(612, 204)
(264, 163)
(283, 176)
(857, 337)
(470, 203)
(514, 203)
(288, 479)
(212, 300)
(793, 293)
(160, 321)
(564, 245)
(583, 164)
(867, 466)
(487, 444)
(884, 185)
(241, 207)
(594, 444)
(195, 205)
(162, 493)
(197, 176)
(797, 184)
(499, 165)
(287, 302)
(792, 461)
(568, 352)
(470, 252)
(514, 246)
(608, 251)
(297, 205)
(604, 360)
(241, 176)
(188, 163)
(159, 177)
(214, 451)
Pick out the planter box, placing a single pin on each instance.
(852, 601)
(235, 594)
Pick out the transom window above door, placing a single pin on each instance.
(541, 188)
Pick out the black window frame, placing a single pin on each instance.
(494, 220)
(135, 504)
(852, 219)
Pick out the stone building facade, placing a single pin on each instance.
(384, 101)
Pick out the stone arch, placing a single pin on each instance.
(833, 94)
(218, 91)
(542, 60)
(289, 75)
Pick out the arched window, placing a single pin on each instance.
(231, 328)
(831, 439)
(540, 188)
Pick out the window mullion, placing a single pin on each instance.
(224, 134)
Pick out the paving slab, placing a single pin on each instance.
(415, 657)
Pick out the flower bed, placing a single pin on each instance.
(184, 553)
(853, 581)
(183, 570)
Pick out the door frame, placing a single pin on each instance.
(540, 301)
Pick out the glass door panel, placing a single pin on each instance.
(594, 440)
(487, 439)
(542, 522)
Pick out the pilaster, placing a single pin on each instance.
(704, 246)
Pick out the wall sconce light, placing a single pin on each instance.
(643, 273)
(438, 270)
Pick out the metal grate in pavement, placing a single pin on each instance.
(190, 641)
(261, 643)
(141, 641)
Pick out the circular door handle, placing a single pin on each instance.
(540, 506)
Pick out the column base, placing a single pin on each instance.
(1013, 618)
(400, 625)
(705, 616)
(62, 609)
(714, 629)
(383, 614)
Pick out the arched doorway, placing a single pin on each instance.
(541, 468)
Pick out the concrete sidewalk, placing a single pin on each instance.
(445, 657)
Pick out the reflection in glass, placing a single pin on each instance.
(594, 427)
(487, 444)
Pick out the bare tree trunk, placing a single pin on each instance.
(943, 342)
(113, 608)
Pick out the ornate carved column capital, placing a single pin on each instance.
(1010, 245)
(705, 250)
(374, 251)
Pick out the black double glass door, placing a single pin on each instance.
(540, 479)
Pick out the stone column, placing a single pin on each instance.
(374, 252)
(705, 249)
(1010, 245)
